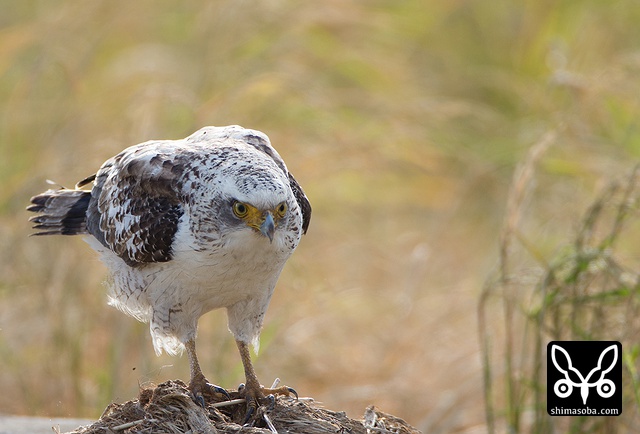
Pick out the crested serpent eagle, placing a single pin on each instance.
(185, 227)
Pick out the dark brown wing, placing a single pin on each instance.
(303, 202)
(135, 206)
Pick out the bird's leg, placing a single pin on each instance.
(197, 377)
(253, 392)
(198, 383)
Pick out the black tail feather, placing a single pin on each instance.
(62, 212)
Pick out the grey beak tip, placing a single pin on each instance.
(268, 227)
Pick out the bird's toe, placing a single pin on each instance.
(282, 390)
(257, 396)
(202, 391)
(219, 390)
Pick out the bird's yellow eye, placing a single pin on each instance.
(281, 209)
(240, 209)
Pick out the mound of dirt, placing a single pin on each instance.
(169, 408)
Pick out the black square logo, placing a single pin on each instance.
(584, 378)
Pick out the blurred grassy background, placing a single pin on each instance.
(403, 121)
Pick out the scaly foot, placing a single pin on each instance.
(256, 395)
(200, 387)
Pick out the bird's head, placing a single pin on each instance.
(259, 198)
(248, 201)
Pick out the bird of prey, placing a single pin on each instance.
(185, 227)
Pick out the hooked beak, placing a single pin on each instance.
(268, 227)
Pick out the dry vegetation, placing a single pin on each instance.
(588, 290)
(169, 407)
(404, 121)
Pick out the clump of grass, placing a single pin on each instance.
(586, 291)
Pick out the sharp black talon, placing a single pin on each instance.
(250, 411)
(221, 391)
(292, 390)
(272, 401)
(200, 401)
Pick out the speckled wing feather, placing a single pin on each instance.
(135, 204)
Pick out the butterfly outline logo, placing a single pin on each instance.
(564, 387)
